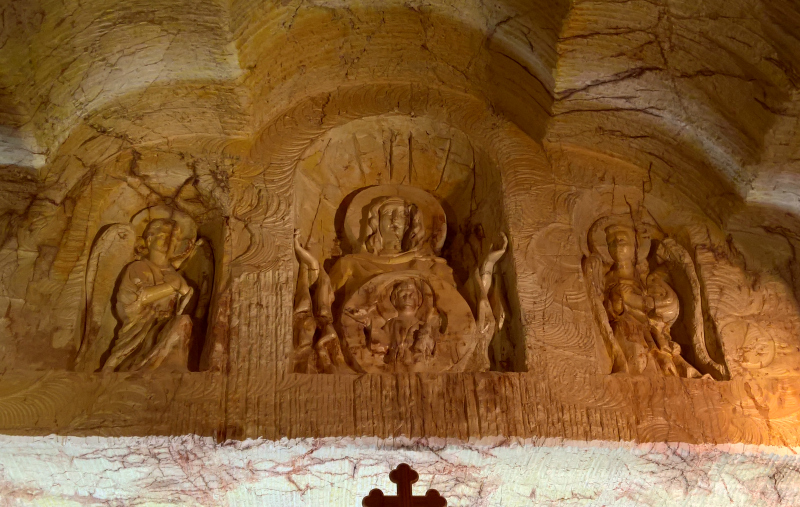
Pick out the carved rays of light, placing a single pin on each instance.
(402, 170)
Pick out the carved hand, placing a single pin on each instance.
(649, 304)
(179, 259)
(175, 281)
(495, 255)
(487, 268)
(304, 256)
(184, 287)
(632, 297)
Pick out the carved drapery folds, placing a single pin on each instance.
(148, 288)
(647, 300)
(393, 305)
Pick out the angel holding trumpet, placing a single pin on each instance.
(139, 301)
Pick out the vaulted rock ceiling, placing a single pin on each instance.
(703, 94)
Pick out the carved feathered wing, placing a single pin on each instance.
(686, 283)
(112, 251)
(611, 357)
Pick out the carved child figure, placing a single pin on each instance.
(664, 314)
(401, 330)
(409, 337)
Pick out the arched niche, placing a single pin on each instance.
(744, 309)
(81, 232)
(423, 153)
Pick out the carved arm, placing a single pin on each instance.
(306, 259)
(156, 292)
(487, 268)
(483, 280)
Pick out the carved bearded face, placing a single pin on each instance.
(621, 243)
(406, 296)
(392, 224)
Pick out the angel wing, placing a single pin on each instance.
(112, 251)
(612, 359)
(686, 283)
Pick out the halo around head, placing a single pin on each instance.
(187, 226)
(597, 232)
(433, 215)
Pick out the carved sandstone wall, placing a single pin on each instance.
(531, 119)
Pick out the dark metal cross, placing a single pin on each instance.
(404, 476)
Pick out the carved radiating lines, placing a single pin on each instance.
(41, 400)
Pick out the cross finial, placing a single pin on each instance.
(404, 476)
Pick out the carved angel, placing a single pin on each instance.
(140, 303)
(645, 301)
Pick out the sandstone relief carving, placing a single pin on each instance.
(646, 300)
(393, 305)
(755, 314)
(148, 283)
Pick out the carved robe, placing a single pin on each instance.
(627, 315)
(150, 332)
(351, 271)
